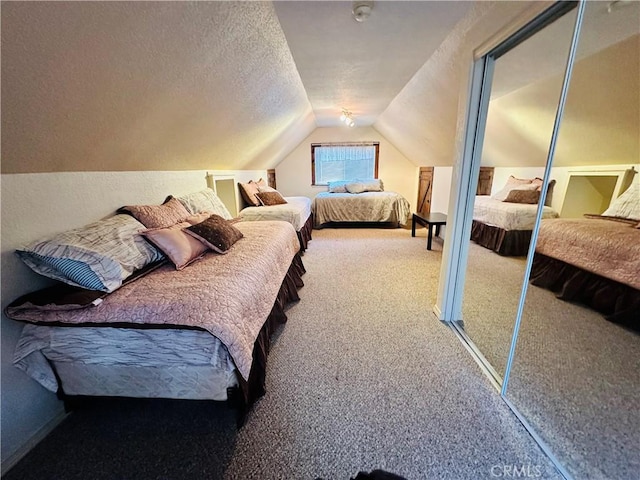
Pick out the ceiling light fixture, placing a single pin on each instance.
(362, 9)
(347, 118)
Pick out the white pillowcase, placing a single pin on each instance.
(626, 205)
(513, 182)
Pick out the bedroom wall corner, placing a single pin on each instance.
(399, 174)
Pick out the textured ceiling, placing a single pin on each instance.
(362, 66)
(147, 86)
(238, 85)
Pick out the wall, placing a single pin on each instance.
(563, 174)
(40, 204)
(293, 173)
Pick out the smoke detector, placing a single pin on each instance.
(361, 10)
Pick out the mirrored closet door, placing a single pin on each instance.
(575, 375)
(525, 89)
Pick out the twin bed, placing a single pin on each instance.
(503, 222)
(595, 260)
(198, 332)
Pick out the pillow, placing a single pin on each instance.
(180, 248)
(512, 182)
(360, 186)
(98, 256)
(356, 187)
(338, 186)
(266, 188)
(198, 218)
(204, 201)
(373, 185)
(270, 198)
(216, 233)
(158, 216)
(626, 205)
(523, 195)
(248, 192)
(538, 182)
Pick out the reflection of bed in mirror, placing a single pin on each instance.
(595, 260)
(503, 222)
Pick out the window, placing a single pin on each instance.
(343, 161)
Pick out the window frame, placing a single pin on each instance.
(342, 144)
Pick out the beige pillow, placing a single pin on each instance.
(248, 192)
(512, 182)
(180, 248)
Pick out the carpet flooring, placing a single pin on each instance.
(361, 377)
(575, 375)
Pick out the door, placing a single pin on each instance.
(425, 182)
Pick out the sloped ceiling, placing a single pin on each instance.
(147, 86)
(195, 85)
(362, 66)
(113, 86)
(601, 122)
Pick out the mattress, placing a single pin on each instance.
(296, 211)
(506, 215)
(166, 363)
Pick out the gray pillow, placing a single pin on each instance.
(98, 256)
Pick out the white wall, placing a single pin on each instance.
(562, 174)
(40, 204)
(293, 173)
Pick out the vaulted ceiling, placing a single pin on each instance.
(229, 85)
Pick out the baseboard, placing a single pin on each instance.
(437, 311)
(16, 456)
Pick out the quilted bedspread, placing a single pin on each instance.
(507, 215)
(607, 248)
(230, 295)
(360, 207)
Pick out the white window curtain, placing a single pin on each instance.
(342, 162)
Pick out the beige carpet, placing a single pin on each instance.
(575, 376)
(361, 377)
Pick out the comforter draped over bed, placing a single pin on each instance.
(230, 295)
(594, 261)
(381, 207)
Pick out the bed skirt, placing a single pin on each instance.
(243, 396)
(304, 234)
(252, 389)
(617, 302)
(510, 243)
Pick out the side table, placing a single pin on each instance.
(428, 220)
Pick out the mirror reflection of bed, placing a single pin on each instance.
(505, 209)
(575, 376)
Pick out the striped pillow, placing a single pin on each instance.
(98, 256)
